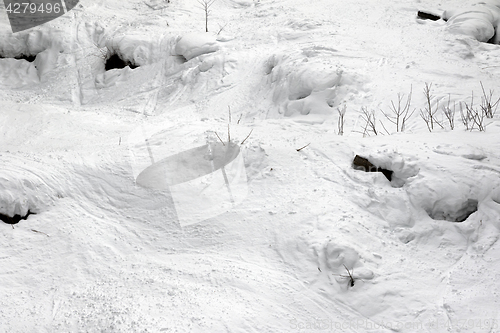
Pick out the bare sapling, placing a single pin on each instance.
(429, 113)
(205, 5)
(351, 279)
(368, 117)
(341, 121)
(349, 276)
(400, 112)
(449, 113)
(473, 117)
(488, 106)
(229, 130)
(466, 117)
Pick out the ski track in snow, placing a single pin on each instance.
(103, 254)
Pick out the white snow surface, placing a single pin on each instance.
(105, 254)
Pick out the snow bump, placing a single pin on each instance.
(193, 45)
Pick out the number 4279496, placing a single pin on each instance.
(33, 8)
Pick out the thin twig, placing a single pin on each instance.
(242, 142)
(487, 106)
(350, 276)
(450, 114)
(341, 121)
(385, 129)
(303, 147)
(220, 139)
(221, 28)
(228, 125)
(40, 232)
(370, 122)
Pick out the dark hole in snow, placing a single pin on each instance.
(493, 40)
(29, 58)
(303, 96)
(467, 209)
(361, 163)
(14, 219)
(427, 16)
(115, 62)
(179, 60)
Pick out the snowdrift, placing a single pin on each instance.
(208, 185)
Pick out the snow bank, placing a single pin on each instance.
(139, 49)
(479, 22)
(44, 44)
(195, 44)
(303, 85)
(17, 73)
(26, 187)
(32, 43)
(274, 263)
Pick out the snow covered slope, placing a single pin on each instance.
(279, 239)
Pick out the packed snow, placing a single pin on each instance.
(210, 189)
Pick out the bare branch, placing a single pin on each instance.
(242, 142)
(220, 139)
(400, 113)
(472, 116)
(370, 123)
(429, 113)
(450, 113)
(303, 147)
(229, 125)
(489, 108)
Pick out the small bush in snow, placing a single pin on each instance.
(370, 125)
(488, 107)
(473, 117)
(400, 112)
(450, 114)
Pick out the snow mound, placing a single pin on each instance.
(453, 193)
(17, 73)
(305, 85)
(26, 188)
(479, 22)
(137, 49)
(401, 166)
(44, 45)
(32, 43)
(195, 44)
(444, 198)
